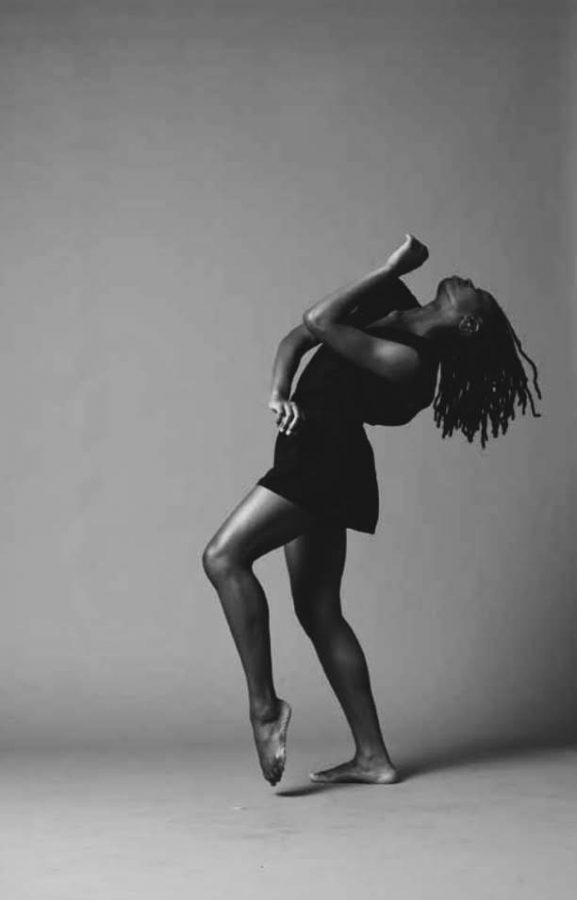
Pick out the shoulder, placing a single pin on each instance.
(394, 361)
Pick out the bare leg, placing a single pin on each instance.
(315, 563)
(261, 522)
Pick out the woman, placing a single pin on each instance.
(381, 354)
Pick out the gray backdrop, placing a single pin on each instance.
(179, 180)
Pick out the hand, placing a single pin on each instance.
(408, 257)
(289, 417)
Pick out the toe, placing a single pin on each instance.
(319, 777)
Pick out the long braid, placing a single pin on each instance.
(482, 379)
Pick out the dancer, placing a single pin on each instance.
(380, 357)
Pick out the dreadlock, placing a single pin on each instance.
(482, 378)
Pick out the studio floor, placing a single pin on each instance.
(200, 823)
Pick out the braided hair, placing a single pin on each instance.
(482, 379)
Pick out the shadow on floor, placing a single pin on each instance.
(464, 755)
(475, 752)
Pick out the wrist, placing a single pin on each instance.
(279, 393)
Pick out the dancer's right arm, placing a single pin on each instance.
(375, 305)
(300, 339)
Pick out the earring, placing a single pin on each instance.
(469, 325)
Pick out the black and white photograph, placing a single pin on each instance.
(289, 449)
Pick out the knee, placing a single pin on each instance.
(217, 560)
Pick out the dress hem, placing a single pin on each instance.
(321, 514)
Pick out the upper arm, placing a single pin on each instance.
(377, 300)
(304, 337)
(390, 360)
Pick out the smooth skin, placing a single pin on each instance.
(261, 522)
(315, 547)
(315, 553)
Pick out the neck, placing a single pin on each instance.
(425, 321)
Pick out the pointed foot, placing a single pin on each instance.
(270, 739)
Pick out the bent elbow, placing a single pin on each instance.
(312, 323)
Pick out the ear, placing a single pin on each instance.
(469, 326)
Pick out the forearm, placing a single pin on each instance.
(289, 353)
(368, 300)
(360, 303)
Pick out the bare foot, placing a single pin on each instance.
(408, 257)
(270, 740)
(382, 772)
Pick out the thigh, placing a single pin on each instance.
(315, 562)
(261, 522)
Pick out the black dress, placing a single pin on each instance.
(327, 465)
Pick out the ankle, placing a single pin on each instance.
(373, 756)
(264, 711)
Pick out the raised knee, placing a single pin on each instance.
(217, 559)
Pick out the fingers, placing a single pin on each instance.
(288, 415)
(290, 419)
(279, 408)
